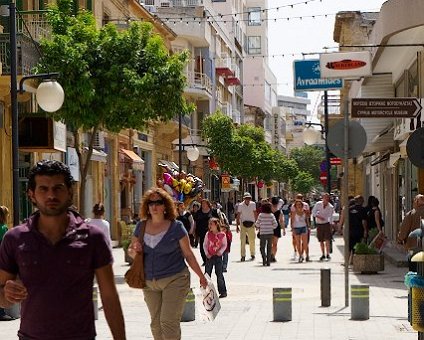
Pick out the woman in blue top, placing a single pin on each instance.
(166, 250)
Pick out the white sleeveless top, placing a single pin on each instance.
(299, 221)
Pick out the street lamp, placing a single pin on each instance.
(49, 95)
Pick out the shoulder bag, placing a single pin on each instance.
(134, 276)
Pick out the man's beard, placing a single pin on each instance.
(56, 211)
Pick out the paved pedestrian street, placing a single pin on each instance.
(247, 312)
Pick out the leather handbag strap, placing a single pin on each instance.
(142, 231)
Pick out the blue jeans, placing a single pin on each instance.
(225, 260)
(286, 219)
(217, 262)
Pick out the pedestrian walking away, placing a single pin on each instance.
(49, 262)
(166, 250)
(99, 221)
(266, 224)
(246, 217)
(323, 213)
(215, 245)
(275, 201)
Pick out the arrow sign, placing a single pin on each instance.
(385, 107)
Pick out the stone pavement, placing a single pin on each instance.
(247, 312)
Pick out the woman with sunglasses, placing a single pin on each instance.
(166, 250)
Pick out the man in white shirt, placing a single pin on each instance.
(246, 217)
(323, 213)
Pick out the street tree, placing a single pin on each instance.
(303, 182)
(112, 79)
(308, 159)
(243, 151)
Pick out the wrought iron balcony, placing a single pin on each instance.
(31, 28)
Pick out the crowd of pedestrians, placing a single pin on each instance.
(56, 240)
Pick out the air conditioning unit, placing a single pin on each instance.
(99, 140)
(165, 4)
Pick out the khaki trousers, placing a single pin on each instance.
(250, 232)
(165, 299)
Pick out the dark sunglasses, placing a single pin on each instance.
(157, 202)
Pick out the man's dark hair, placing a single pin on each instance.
(49, 168)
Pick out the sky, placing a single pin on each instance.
(302, 33)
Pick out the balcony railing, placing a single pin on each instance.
(199, 81)
(31, 28)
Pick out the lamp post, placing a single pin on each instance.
(50, 97)
(192, 150)
(310, 137)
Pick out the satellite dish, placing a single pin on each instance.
(357, 139)
(415, 147)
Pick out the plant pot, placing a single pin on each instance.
(368, 263)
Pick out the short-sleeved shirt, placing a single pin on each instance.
(59, 278)
(247, 211)
(166, 258)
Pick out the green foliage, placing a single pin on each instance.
(242, 151)
(363, 248)
(303, 182)
(112, 79)
(308, 159)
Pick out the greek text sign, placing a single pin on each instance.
(385, 107)
(307, 76)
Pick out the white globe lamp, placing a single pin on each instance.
(192, 153)
(311, 136)
(50, 95)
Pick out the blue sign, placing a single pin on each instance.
(307, 76)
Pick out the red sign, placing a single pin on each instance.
(323, 178)
(335, 161)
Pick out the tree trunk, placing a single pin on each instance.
(84, 157)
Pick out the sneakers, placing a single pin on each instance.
(252, 257)
(328, 257)
(243, 258)
(308, 259)
(322, 258)
(223, 295)
(300, 259)
(273, 259)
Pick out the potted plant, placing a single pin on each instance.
(366, 259)
(125, 244)
(127, 231)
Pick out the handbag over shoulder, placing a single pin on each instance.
(134, 276)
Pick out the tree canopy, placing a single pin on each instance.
(112, 79)
(243, 151)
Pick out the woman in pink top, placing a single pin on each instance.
(214, 245)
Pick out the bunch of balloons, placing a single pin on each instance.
(181, 186)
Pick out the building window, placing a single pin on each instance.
(254, 16)
(254, 45)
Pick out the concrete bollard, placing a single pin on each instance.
(282, 304)
(325, 287)
(360, 302)
(95, 303)
(189, 312)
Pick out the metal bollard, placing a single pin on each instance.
(282, 304)
(95, 303)
(360, 302)
(325, 287)
(189, 307)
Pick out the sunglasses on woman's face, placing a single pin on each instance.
(157, 202)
